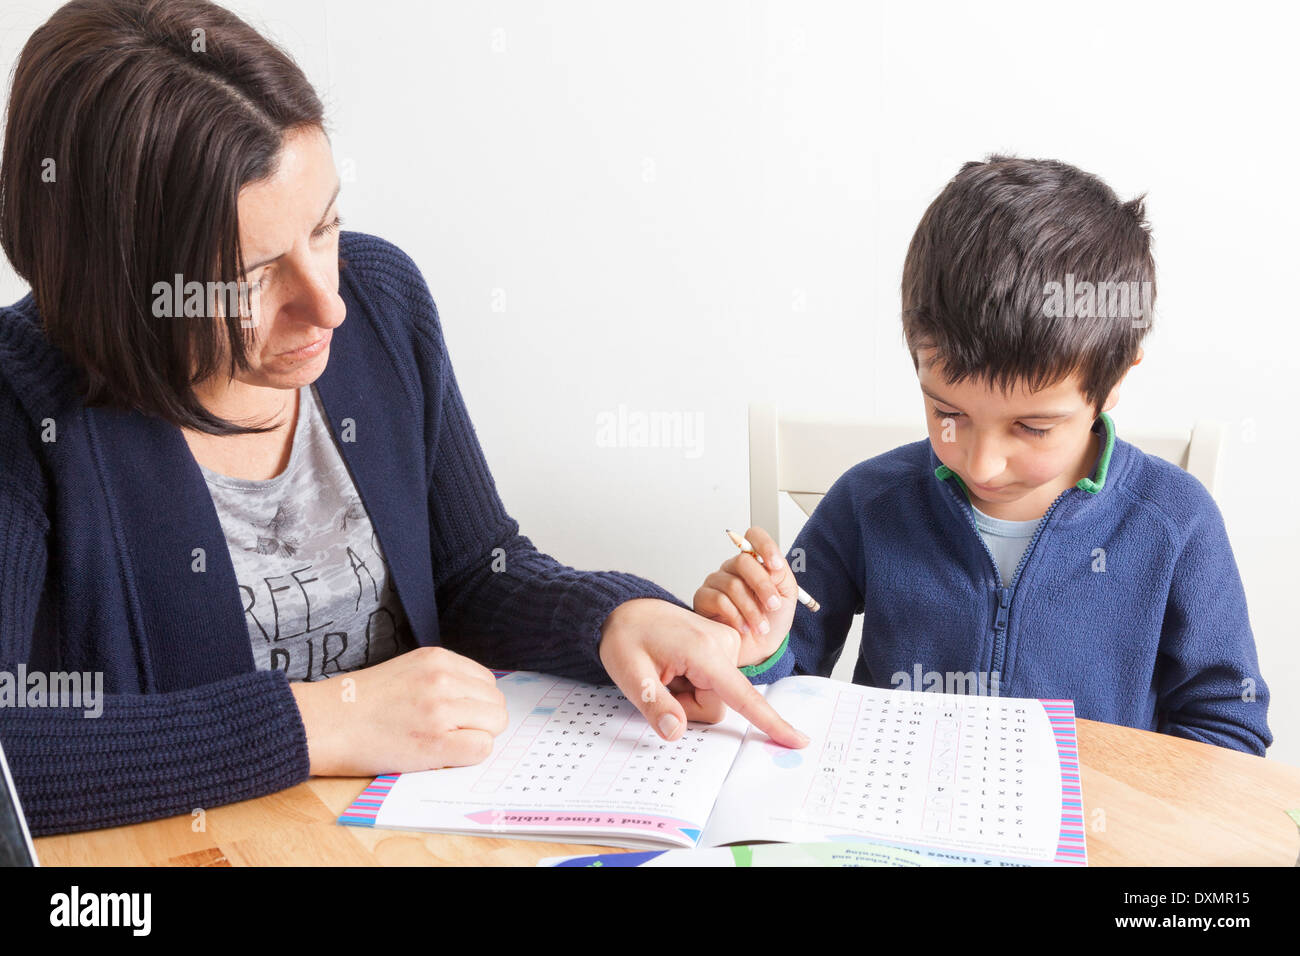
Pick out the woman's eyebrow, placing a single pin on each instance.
(320, 222)
(1047, 416)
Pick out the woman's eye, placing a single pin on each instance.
(327, 229)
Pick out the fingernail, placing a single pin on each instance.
(774, 602)
(668, 725)
(774, 562)
(763, 626)
(803, 738)
(744, 630)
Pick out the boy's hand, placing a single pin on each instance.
(742, 592)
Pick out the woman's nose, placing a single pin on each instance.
(315, 298)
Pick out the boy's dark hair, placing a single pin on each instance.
(151, 115)
(990, 265)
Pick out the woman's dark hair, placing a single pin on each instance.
(999, 263)
(132, 126)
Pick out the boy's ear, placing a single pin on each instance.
(1113, 397)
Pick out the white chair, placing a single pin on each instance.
(802, 457)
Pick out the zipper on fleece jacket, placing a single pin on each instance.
(1005, 593)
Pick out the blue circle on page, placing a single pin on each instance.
(787, 759)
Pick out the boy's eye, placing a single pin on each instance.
(940, 414)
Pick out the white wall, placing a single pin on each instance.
(686, 206)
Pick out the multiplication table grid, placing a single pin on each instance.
(901, 763)
(585, 740)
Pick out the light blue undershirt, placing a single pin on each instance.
(1006, 539)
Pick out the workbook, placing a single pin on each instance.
(579, 764)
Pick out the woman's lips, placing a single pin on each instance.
(307, 351)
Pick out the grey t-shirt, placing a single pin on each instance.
(313, 581)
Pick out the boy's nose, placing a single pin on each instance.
(984, 464)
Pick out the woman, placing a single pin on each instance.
(195, 488)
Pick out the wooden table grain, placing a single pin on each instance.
(1149, 800)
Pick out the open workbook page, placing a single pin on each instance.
(980, 773)
(577, 763)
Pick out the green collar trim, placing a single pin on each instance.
(1091, 485)
(1098, 480)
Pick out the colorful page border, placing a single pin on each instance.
(1071, 844)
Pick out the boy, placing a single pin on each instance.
(1024, 550)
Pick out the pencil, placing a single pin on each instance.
(739, 541)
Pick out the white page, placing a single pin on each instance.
(962, 771)
(577, 762)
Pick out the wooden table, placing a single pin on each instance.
(1149, 799)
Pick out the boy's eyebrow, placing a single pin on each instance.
(1046, 416)
(319, 223)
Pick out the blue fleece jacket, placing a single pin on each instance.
(103, 513)
(1127, 601)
